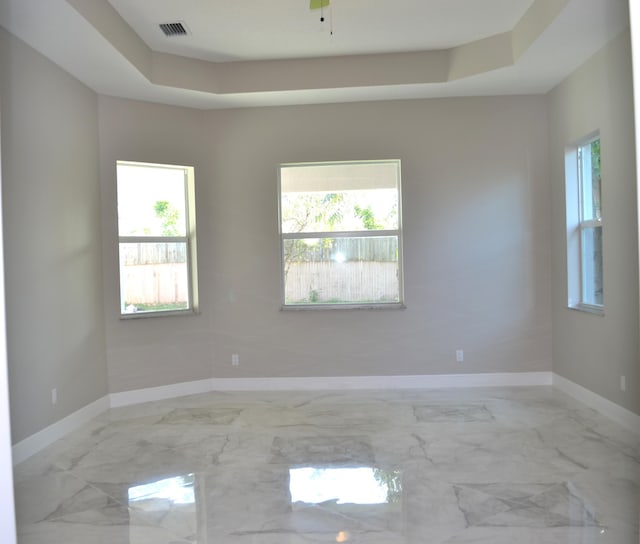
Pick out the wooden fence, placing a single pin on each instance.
(381, 249)
(153, 253)
(156, 274)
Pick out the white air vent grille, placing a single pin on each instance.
(173, 29)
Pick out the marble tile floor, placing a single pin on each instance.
(502, 465)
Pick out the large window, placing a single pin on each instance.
(156, 226)
(584, 226)
(341, 237)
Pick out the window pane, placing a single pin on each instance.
(590, 169)
(151, 200)
(592, 266)
(595, 179)
(344, 211)
(353, 270)
(339, 197)
(153, 277)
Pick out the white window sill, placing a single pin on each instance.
(144, 315)
(314, 307)
(588, 309)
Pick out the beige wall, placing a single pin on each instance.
(52, 242)
(590, 350)
(476, 219)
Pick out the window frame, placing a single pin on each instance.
(577, 256)
(398, 233)
(189, 239)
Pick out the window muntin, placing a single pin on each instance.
(156, 224)
(340, 234)
(585, 226)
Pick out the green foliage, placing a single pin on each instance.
(316, 212)
(596, 176)
(328, 212)
(392, 479)
(169, 216)
(595, 158)
(368, 219)
(331, 210)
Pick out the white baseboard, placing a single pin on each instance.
(138, 396)
(40, 440)
(382, 382)
(150, 394)
(613, 411)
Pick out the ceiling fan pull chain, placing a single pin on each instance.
(331, 18)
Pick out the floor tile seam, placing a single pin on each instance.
(95, 487)
(529, 502)
(86, 484)
(142, 514)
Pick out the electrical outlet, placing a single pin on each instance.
(459, 355)
(54, 396)
(235, 359)
(623, 383)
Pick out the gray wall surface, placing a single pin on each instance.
(591, 350)
(476, 221)
(55, 316)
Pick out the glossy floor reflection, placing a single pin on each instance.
(502, 466)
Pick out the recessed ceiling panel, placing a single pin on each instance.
(250, 30)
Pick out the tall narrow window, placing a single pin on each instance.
(156, 226)
(341, 237)
(584, 226)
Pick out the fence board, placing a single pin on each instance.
(341, 282)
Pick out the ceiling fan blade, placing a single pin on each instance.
(318, 4)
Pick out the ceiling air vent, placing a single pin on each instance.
(173, 29)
